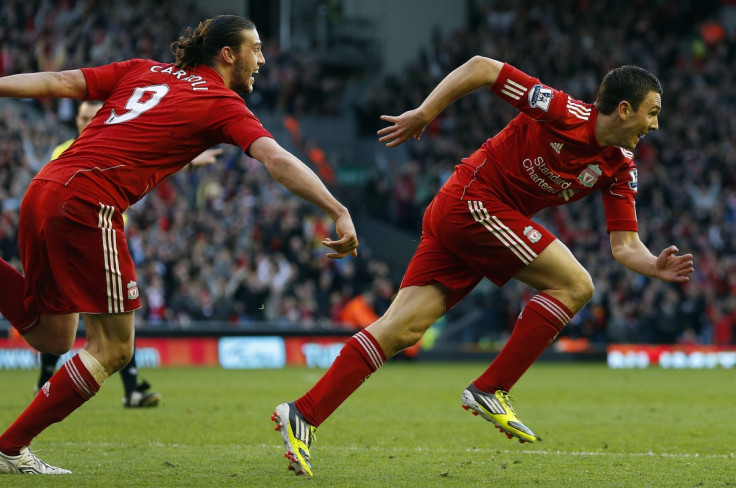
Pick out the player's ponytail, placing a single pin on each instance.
(203, 44)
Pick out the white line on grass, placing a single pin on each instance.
(682, 455)
(541, 452)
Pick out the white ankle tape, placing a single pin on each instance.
(93, 366)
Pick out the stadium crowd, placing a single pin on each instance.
(227, 243)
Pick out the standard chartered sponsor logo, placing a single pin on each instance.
(541, 175)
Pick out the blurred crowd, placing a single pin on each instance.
(226, 243)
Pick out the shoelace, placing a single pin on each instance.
(506, 400)
(306, 427)
(311, 436)
(36, 459)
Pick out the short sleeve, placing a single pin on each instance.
(619, 201)
(238, 124)
(529, 95)
(102, 79)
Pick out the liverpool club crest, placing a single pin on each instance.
(132, 290)
(589, 176)
(532, 234)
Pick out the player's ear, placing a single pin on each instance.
(624, 109)
(227, 55)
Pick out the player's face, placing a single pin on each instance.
(86, 113)
(247, 62)
(639, 122)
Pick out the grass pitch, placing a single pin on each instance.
(403, 428)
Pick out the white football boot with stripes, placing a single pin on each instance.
(495, 408)
(27, 463)
(297, 435)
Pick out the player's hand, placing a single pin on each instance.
(409, 124)
(348, 239)
(674, 268)
(207, 158)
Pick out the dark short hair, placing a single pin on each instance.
(203, 44)
(629, 83)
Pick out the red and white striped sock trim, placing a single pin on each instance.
(554, 307)
(371, 347)
(78, 381)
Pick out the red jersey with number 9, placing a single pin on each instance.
(155, 119)
(548, 155)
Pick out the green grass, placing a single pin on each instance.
(403, 428)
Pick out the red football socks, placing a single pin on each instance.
(535, 329)
(66, 391)
(360, 357)
(11, 299)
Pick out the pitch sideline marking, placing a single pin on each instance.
(683, 455)
(541, 452)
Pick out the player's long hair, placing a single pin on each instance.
(630, 83)
(203, 44)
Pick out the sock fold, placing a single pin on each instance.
(66, 391)
(360, 357)
(535, 329)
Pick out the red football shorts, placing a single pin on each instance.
(74, 253)
(464, 241)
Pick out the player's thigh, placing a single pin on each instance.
(412, 312)
(110, 338)
(54, 334)
(415, 307)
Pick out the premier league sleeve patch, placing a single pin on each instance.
(634, 182)
(540, 97)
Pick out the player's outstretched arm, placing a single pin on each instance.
(45, 84)
(632, 253)
(477, 72)
(288, 170)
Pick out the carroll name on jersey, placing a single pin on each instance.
(194, 80)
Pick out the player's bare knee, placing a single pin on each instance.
(583, 291)
(123, 358)
(411, 335)
(55, 345)
(117, 356)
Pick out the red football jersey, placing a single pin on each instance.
(548, 155)
(155, 119)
